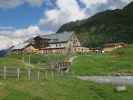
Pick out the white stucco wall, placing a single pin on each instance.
(57, 45)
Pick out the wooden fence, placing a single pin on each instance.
(33, 73)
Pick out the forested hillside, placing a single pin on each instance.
(108, 26)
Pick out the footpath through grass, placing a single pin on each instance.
(60, 89)
(118, 61)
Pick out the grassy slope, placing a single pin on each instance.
(67, 88)
(60, 89)
(36, 60)
(119, 61)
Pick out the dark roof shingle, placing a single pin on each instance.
(58, 37)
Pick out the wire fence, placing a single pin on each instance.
(33, 73)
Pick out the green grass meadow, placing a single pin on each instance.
(65, 87)
(30, 60)
(60, 89)
(118, 61)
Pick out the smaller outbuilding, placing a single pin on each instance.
(24, 47)
(112, 46)
(82, 50)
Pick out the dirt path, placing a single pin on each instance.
(72, 58)
(118, 80)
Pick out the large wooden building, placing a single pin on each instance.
(56, 43)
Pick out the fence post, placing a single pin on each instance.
(29, 74)
(61, 72)
(4, 73)
(59, 68)
(52, 74)
(18, 73)
(46, 74)
(38, 75)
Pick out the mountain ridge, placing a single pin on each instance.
(104, 27)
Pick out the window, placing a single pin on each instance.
(60, 44)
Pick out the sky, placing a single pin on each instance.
(21, 19)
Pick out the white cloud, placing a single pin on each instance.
(15, 3)
(67, 10)
(13, 37)
(21, 33)
(5, 42)
(99, 5)
(126, 1)
(93, 2)
(28, 32)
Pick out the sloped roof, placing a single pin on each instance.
(58, 37)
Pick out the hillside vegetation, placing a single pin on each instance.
(118, 62)
(108, 26)
(30, 60)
